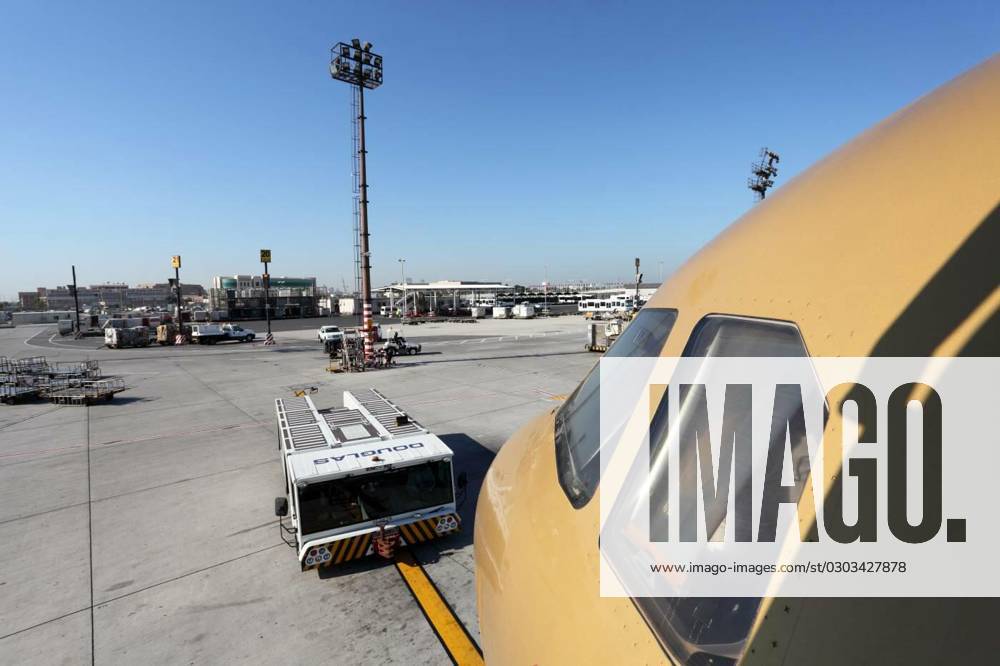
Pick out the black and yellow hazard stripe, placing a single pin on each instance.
(345, 550)
(356, 547)
(426, 530)
(350, 549)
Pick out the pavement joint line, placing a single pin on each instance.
(461, 648)
(137, 490)
(180, 407)
(184, 480)
(128, 594)
(216, 392)
(122, 442)
(41, 513)
(45, 622)
(90, 535)
(33, 416)
(183, 433)
(190, 573)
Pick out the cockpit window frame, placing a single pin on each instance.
(679, 649)
(580, 482)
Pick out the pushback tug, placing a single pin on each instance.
(361, 479)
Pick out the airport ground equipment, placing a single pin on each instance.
(86, 392)
(329, 334)
(400, 347)
(120, 338)
(524, 311)
(167, 334)
(207, 334)
(601, 335)
(361, 479)
(237, 332)
(77, 382)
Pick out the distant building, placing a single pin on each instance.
(29, 300)
(242, 297)
(160, 293)
(442, 296)
(111, 296)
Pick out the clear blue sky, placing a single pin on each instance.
(508, 136)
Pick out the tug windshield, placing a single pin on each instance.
(328, 505)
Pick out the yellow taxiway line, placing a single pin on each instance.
(450, 631)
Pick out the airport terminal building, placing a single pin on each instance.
(242, 297)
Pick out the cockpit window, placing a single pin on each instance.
(714, 630)
(577, 427)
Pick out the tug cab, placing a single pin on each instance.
(361, 479)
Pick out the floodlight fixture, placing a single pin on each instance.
(764, 171)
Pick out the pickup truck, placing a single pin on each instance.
(236, 332)
(330, 334)
(207, 334)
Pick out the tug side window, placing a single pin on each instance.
(577, 426)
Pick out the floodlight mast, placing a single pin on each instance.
(764, 171)
(355, 64)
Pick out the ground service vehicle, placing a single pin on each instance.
(601, 335)
(329, 333)
(120, 338)
(166, 334)
(868, 253)
(236, 332)
(400, 346)
(598, 308)
(360, 479)
(207, 334)
(524, 311)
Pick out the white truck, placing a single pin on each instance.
(361, 479)
(329, 334)
(207, 334)
(236, 332)
(501, 312)
(524, 311)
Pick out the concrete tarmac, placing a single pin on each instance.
(142, 530)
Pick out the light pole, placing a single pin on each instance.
(355, 64)
(175, 261)
(265, 258)
(402, 281)
(76, 302)
(545, 286)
